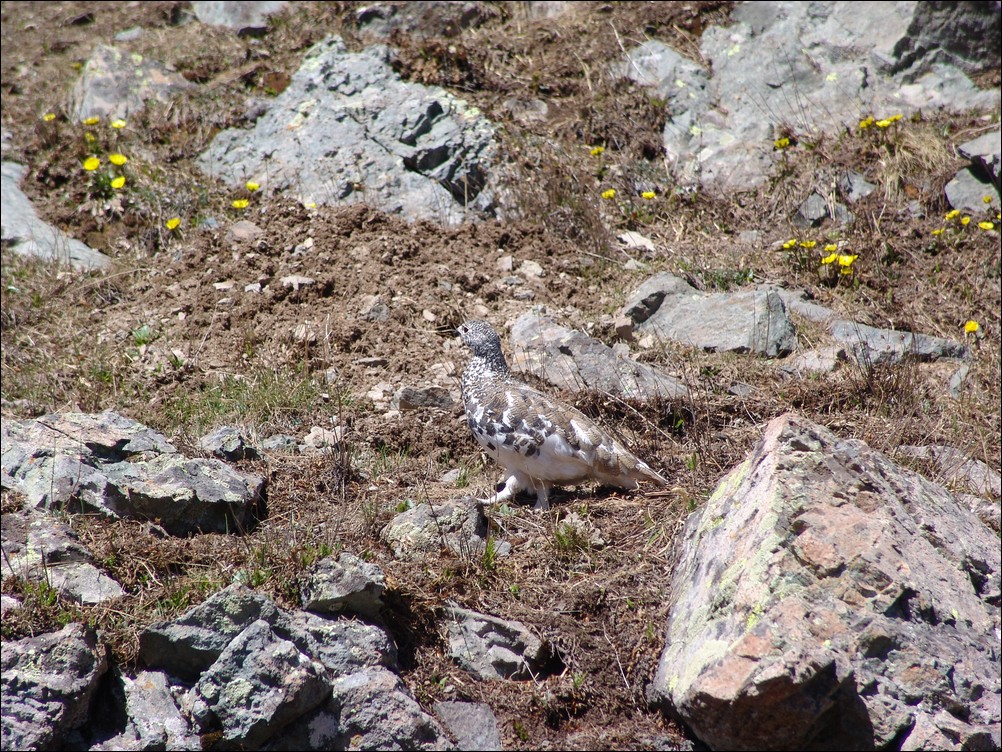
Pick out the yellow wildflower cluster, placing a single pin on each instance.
(965, 220)
(240, 203)
(609, 194)
(831, 257)
(781, 143)
(173, 223)
(882, 123)
(597, 151)
(648, 195)
(972, 327)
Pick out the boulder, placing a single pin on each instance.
(825, 597)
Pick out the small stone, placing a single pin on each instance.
(634, 240)
(243, 232)
(530, 269)
(319, 438)
(296, 281)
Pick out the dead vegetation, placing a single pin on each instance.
(150, 339)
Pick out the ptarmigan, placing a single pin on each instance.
(537, 439)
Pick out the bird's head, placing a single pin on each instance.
(479, 336)
(485, 343)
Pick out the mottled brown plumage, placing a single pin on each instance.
(539, 440)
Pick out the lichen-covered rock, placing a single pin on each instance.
(49, 682)
(493, 648)
(825, 597)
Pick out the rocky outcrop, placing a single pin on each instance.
(115, 466)
(348, 129)
(49, 683)
(839, 62)
(27, 234)
(825, 597)
(667, 308)
(573, 361)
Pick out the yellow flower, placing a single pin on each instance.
(118, 182)
(884, 123)
(173, 223)
(781, 143)
(965, 221)
(864, 124)
(648, 195)
(611, 193)
(596, 150)
(971, 327)
(92, 121)
(89, 137)
(845, 260)
(118, 124)
(894, 118)
(118, 159)
(48, 117)
(789, 244)
(831, 247)
(985, 199)
(91, 163)
(986, 225)
(240, 203)
(952, 214)
(829, 259)
(845, 270)
(252, 186)
(808, 243)
(938, 232)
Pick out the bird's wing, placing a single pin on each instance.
(569, 434)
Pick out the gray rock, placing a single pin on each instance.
(259, 683)
(188, 645)
(745, 321)
(967, 190)
(153, 718)
(816, 209)
(957, 470)
(957, 380)
(228, 443)
(820, 360)
(492, 648)
(826, 598)
(41, 548)
(417, 397)
(838, 60)
(872, 346)
(473, 724)
(113, 465)
(348, 584)
(49, 683)
(401, 147)
(26, 233)
(344, 646)
(115, 83)
(421, 20)
(574, 361)
(8, 604)
(280, 442)
(245, 17)
(854, 186)
(985, 152)
(370, 709)
(458, 525)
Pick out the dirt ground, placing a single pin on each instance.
(171, 337)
